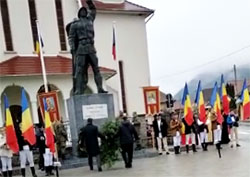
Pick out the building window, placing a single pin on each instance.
(33, 18)
(60, 23)
(6, 25)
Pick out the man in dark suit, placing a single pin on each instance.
(127, 134)
(90, 136)
(160, 130)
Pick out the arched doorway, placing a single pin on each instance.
(14, 97)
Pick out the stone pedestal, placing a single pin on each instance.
(99, 107)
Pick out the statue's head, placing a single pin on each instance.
(82, 12)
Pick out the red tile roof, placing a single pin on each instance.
(31, 65)
(123, 7)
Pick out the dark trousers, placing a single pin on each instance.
(41, 158)
(98, 161)
(82, 63)
(127, 153)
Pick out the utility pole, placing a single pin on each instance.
(235, 80)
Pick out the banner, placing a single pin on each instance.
(52, 105)
(151, 99)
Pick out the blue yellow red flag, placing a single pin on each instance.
(199, 100)
(245, 98)
(27, 127)
(186, 101)
(11, 139)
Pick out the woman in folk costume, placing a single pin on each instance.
(175, 126)
(209, 124)
(6, 155)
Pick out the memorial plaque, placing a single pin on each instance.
(95, 111)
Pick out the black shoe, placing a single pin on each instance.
(194, 148)
(100, 169)
(187, 148)
(160, 153)
(23, 172)
(232, 146)
(130, 165)
(10, 173)
(167, 153)
(237, 145)
(102, 91)
(175, 150)
(5, 174)
(33, 171)
(51, 170)
(91, 168)
(205, 144)
(178, 149)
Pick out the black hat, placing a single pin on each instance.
(82, 8)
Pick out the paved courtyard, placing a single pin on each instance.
(234, 163)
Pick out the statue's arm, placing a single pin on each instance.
(92, 9)
(72, 38)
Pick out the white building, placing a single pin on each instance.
(20, 66)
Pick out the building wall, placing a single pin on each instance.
(2, 43)
(131, 43)
(20, 26)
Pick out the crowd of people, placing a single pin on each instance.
(200, 133)
(46, 158)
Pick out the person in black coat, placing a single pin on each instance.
(225, 134)
(90, 136)
(127, 134)
(40, 143)
(160, 131)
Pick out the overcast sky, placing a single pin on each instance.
(193, 36)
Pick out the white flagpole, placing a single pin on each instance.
(120, 99)
(79, 3)
(42, 58)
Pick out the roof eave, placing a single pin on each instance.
(115, 11)
(107, 75)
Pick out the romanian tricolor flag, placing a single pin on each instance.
(186, 101)
(245, 101)
(114, 44)
(224, 97)
(11, 139)
(216, 103)
(50, 141)
(27, 125)
(199, 100)
(38, 50)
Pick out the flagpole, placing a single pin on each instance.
(79, 3)
(42, 58)
(117, 65)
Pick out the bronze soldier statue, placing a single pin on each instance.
(81, 41)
